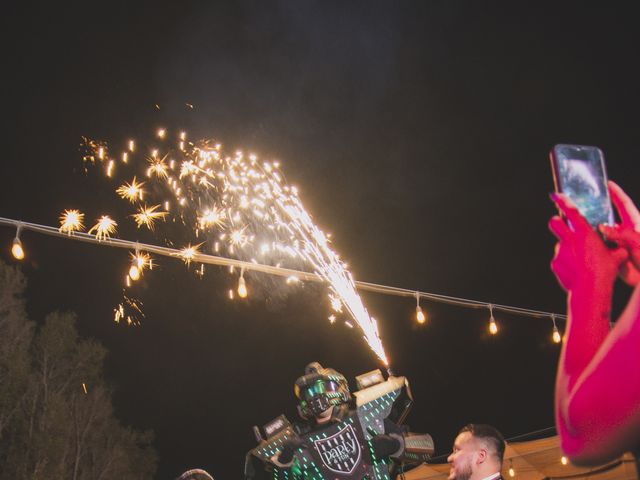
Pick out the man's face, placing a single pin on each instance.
(463, 457)
(325, 416)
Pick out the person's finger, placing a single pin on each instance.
(571, 212)
(610, 232)
(630, 274)
(562, 271)
(560, 229)
(622, 236)
(628, 212)
(619, 255)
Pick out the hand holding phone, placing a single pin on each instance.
(579, 172)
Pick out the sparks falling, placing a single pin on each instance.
(71, 221)
(131, 191)
(147, 216)
(244, 209)
(157, 167)
(213, 217)
(129, 311)
(189, 252)
(104, 228)
(139, 262)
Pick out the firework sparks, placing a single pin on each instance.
(147, 216)
(239, 237)
(336, 304)
(139, 262)
(189, 252)
(157, 167)
(253, 210)
(104, 228)
(213, 217)
(129, 311)
(71, 221)
(131, 191)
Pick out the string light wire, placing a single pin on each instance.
(272, 270)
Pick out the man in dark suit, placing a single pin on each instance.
(478, 452)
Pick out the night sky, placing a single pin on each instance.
(418, 134)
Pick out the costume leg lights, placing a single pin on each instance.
(342, 436)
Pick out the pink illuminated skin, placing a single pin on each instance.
(597, 400)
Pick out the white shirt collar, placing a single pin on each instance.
(491, 477)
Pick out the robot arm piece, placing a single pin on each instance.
(383, 406)
(418, 448)
(401, 445)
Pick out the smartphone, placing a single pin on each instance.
(579, 172)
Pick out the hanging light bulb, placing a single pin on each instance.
(16, 249)
(138, 263)
(134, 272)
(493, 326)
(512, 472)
(564, 460)
(557, 338)
(420, 316)
(242, 285)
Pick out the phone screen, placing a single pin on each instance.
(580, 173)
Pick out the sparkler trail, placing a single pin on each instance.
(235, 203)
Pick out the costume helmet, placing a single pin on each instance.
(320, 388)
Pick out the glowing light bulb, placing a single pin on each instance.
(242, 287)
(512, 472)
(420, 316)
(134, 273)
(16, 249)
(564, 460)
(493, 326)
(557, 338)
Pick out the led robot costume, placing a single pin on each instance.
(344, 437)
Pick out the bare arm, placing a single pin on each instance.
(597, 386)
(598, 407)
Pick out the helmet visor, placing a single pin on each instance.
(319, 387)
